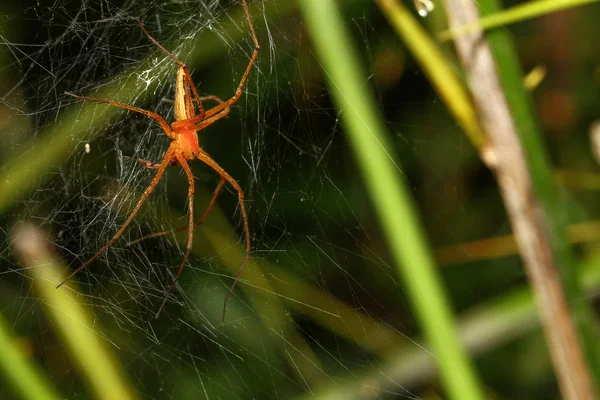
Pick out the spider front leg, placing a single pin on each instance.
(147, 113)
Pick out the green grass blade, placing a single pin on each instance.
(22, 374)
(442, 74)
(71, 318)
(389, 193)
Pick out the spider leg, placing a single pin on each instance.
(211, 112)
(183, 69)
(151, 165)
(205, 158)
(163, 166)
(198, 123)
(238, 91)
(147, 113)
(181, 228)
(190, 177)
(197, 120)
(213, 98)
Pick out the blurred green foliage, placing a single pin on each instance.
(320, 310)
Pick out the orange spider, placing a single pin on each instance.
(185, 147)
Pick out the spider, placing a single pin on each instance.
(184, 148)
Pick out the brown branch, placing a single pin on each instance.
(522, 205)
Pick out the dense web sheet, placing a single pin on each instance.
(319, 306)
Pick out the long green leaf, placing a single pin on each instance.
(21, 373)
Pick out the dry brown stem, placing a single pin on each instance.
(522, 205)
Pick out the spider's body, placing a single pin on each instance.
(189, 119)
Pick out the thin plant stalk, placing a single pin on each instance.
(530, 134)
(530, 199)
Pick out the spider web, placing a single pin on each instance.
(320, 304)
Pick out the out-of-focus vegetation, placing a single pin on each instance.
(320, 311)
